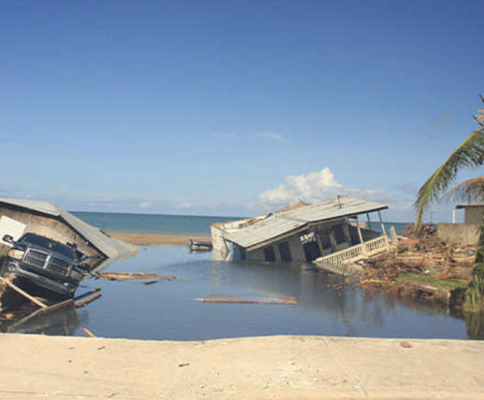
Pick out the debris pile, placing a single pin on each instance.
(422, 267)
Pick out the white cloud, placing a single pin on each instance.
(274, 136)
(279, 195)
(146, 204)
(316, 186)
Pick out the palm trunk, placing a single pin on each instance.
(474, 298)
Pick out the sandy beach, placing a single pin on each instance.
(155, 239)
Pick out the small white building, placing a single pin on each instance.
(306, 233)
(472, 213)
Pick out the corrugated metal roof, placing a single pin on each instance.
(110, 247)
(282, 223)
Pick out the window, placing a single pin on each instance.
(311, 251)
(325, 239)
(339, 234)
(285, 252)
(269, 254)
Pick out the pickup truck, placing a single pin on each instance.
(45, 263)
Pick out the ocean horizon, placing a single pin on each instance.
(172, 224)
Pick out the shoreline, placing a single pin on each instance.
(156, 239)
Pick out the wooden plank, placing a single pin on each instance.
(128, 276)
(81, 296)
(83, 303)
(88, 332)
(23, 293)
(284, 300)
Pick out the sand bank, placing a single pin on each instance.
(155, 239)
(278, 367)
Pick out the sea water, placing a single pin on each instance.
(173, 224)
(172, 310)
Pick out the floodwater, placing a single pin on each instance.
(168, 310)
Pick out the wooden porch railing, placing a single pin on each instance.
(353, 254)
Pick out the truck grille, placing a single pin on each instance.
(35, 258)
(59, 266)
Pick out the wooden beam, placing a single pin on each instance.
(23, 293)
(82, 303)
(81, 296)
(369, 221)
(382, 225)
(359, 230)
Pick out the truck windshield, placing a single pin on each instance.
(30, 238)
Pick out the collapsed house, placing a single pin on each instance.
(18, 217)
(326, 233)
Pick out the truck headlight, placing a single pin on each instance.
(16, 254)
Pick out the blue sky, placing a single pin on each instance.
(216, 107)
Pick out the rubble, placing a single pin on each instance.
(422, 266)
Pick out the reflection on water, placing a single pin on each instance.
(63, 322)
(169, 310)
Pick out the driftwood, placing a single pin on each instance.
(23, 293)
(150, 282)
(88, 332)
(81, 296)
(131, 276)
(83, 303)
(282, 300)
(40, 312)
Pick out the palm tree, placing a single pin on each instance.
(469, 154)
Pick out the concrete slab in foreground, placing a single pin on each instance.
(281, 367)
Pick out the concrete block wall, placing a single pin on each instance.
(459, 234)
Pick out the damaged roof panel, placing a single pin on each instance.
(284, 222)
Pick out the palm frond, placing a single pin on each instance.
(469, 154)
(471, 189)
(479, 117)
